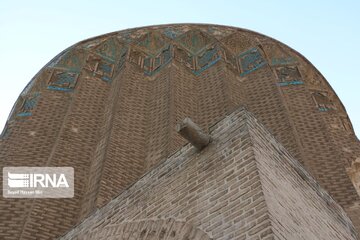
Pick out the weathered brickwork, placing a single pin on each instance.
(108, 107)
(244, 185)
(286, 185)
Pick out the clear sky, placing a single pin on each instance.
(327, 33)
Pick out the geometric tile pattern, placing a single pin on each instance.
(62, 80)
(251, 60)
(28, 105)
(288, 75)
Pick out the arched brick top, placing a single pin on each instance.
(108, 107)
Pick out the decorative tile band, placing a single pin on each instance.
(324, 109)
(24, 114)
(62, 81)
(54, 88)
(290, 83)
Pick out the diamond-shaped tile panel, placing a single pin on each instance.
(152, 43)
(238, 42)
(28, 104)
(62, 81)
(277, 55)
(250, 61)
(288, 75)
(195, 41)
(110, 49)
(72, 60)
(208, 58)
(172, 32)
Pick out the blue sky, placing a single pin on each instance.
(325, 32)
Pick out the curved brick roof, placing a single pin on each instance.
(108, 106)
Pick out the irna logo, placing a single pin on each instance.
(38, 182)
(23, 180)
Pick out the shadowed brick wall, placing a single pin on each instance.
(244, 185)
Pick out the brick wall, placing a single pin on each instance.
(244, 185)
(117, 120)
(298, 207)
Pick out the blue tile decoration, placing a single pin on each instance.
(28, 105)
(207, 59)
(106, 58)
(250, 61)
(290, 83)
(152, 43)
(147, 65)
(172, 32)
(151, 52)
(195, 41)
(110, 49)
(66, 70)
(100, 68)
(153, 64)
(207, 66)
(197, 50)
(167, 54)
(288, 75)
(62, 81)
(72, 60)
(323, 109)
(24, 114)
(105, 69)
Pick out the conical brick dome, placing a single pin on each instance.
(108, 107)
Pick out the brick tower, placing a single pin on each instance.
(108, 107)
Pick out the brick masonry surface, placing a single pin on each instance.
(244, 185)
(108, 107)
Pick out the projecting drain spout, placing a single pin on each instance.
(193, 133)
